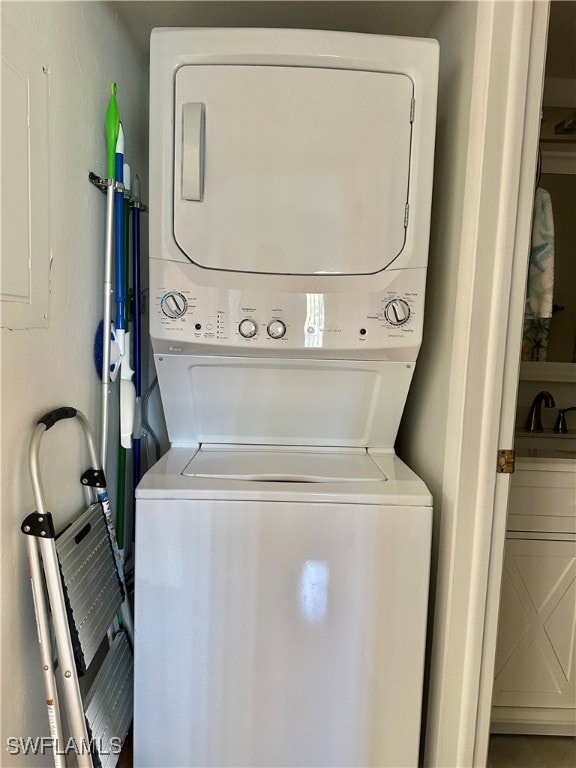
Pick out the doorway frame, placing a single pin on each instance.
(507, 83)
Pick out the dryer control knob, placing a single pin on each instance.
(174, 305)
(248, 328)
(276, 329)
(397, 312)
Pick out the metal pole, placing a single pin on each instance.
(74, 705)
(46, 656)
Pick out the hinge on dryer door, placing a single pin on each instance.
(412, 109)
(406, 214)
(506, 461)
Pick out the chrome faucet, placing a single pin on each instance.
(561, 427)
(534, 421)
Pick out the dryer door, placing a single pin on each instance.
(291, 170)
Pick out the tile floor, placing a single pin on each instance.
(507, 751)
(504, 752)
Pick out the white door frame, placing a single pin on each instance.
(531, 131)
(509, 61)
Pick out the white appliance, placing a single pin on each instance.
(282, 549)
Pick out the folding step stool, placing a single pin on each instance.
(81, 572)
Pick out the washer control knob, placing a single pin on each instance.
(276, 329)
(397, 312)
(174, 305)
(248, 328)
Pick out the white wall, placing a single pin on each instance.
(85, 48)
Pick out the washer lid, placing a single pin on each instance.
(284, 466)
(291, 170)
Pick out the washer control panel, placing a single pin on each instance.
(185, 317)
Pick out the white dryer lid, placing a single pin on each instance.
(281, 465)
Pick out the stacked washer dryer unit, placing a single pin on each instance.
(282, 549)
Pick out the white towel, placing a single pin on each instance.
(539, 296)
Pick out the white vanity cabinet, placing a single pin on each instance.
(535, 682)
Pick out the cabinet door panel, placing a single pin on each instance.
(535, 655)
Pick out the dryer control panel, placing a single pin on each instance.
(187, 318)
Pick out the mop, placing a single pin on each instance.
(137, 340)
(112, 341)
(122, 333)
(121, 487)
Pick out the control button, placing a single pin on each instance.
(247, 328)
(276, 329)
(173, 305)
(362, 331)
(397, 312)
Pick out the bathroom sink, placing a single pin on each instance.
(546, 445)
(546, 453)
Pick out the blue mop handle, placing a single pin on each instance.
(120, 293)
(137, 332)
(137, 291)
